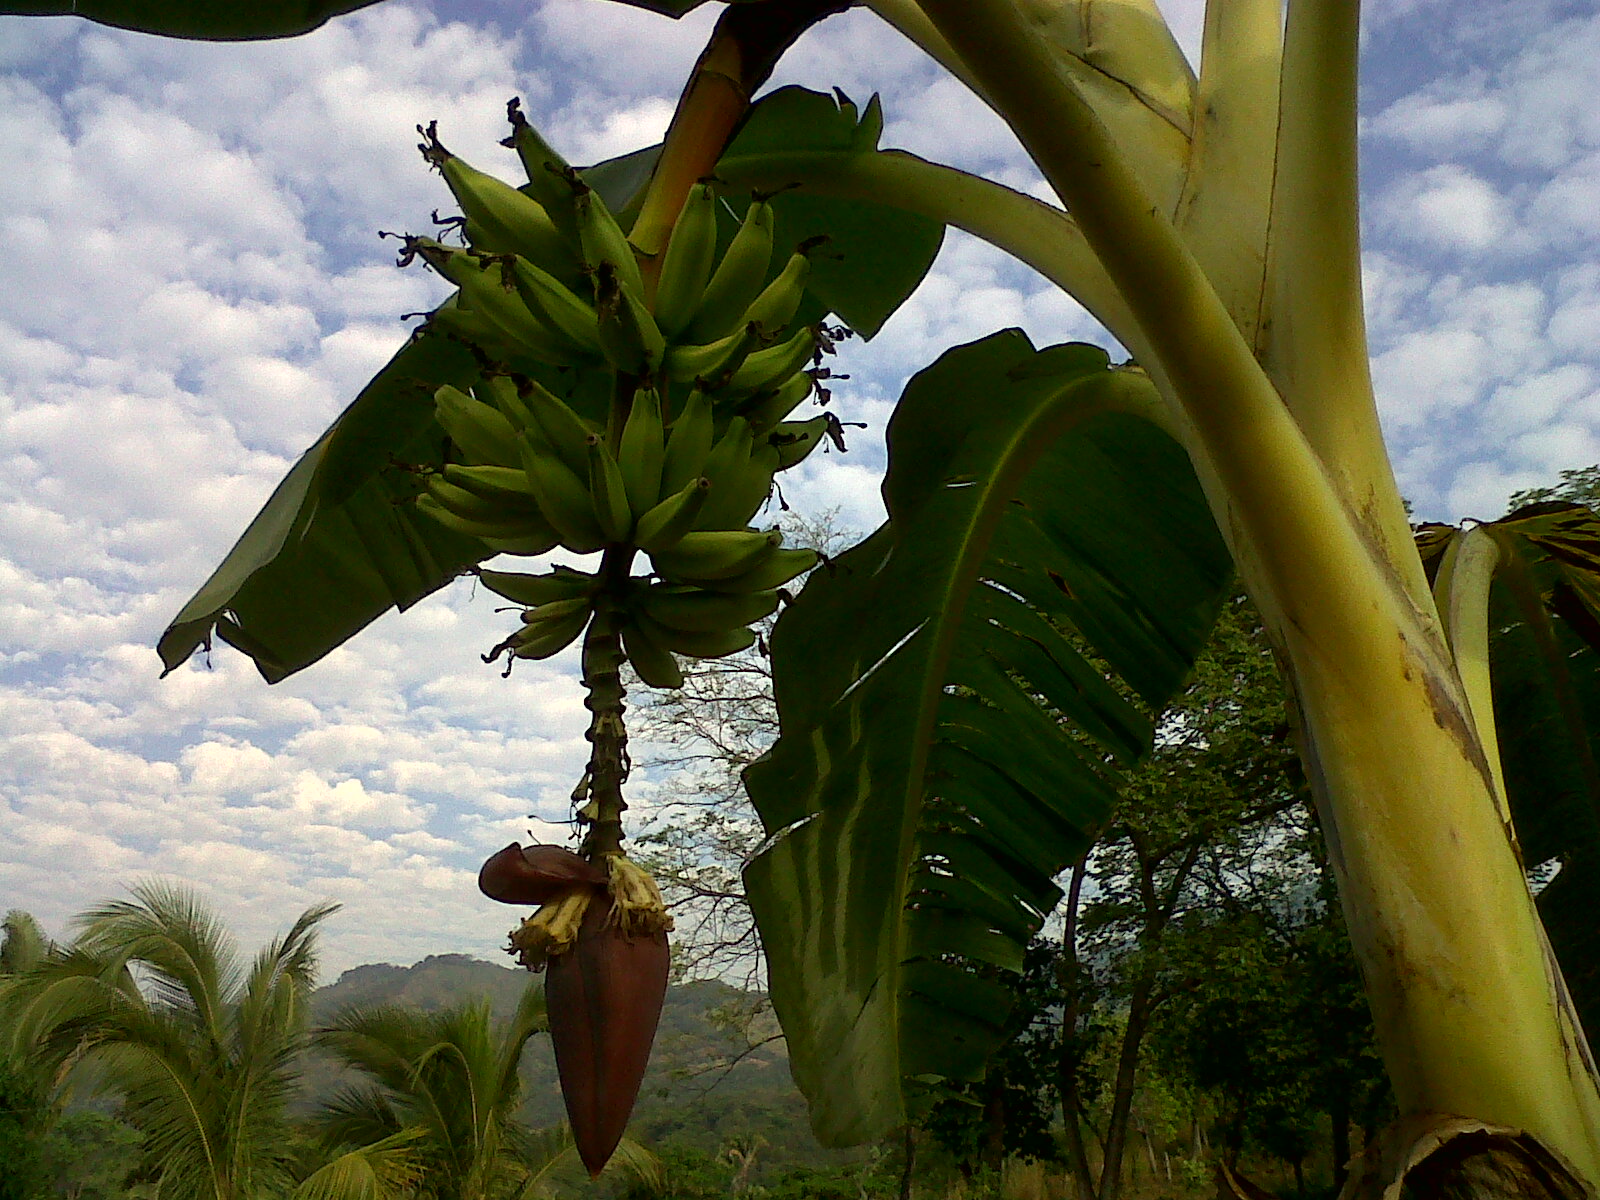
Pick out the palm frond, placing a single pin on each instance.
(185, 957)
(24, 946)
(383, 1170)
(550, 1161)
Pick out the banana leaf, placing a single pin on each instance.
(960, 696)
(1544, 622)
(337, 544)
(201, 20)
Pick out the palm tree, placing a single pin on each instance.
(199, 1046)
(445, 1085)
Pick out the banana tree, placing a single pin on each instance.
(960, 693)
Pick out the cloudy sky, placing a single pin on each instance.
(191, 289)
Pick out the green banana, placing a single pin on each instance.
(715, 554)
(453, 319)
(697, 645)
(556, 305)
(775, 307)
(768, 408)
(602, 238)
(725, 467)
(482, 509)
(563, 431)
(738, 279)
(495, 300)
(663, 526)
(778, 570)
(794, 440)
(482, 433)
(500, 391)
(712, 360)
(769, 368)
(655, 667)
(694, 610)
(735, 503)
(608, 492)
(549, 635)
(642, 451)
(500, 219)
(530, 528)
(502, 485)
(563, 499)
(686, 266)
(543, 543)
(547, 171)
(563, 583)
(688, 443)
(629, 336)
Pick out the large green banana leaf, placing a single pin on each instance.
(1544, 621)
(336, 545)
(949, 741)
(205, 20)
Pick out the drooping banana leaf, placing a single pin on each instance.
(336, 546)
(1544, 623)
(875, 255)
(201, 20)
(949, 743)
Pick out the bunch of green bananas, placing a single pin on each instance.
(703, 375)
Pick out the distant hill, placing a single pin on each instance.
(695, 1093)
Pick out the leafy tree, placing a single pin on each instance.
(437, 1113)
(198, 1045)
(947, 748)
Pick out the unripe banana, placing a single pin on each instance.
(557, 305)
(663, 526)
(488, 290)
(775, 307)
(563, 499)
(767, 369)
(563, 583)
(610, 495)
(453, 319)
(738, 278)
(500, 219)
(546, 638)
(694, 610)
(725, 468)
(629, 336)
(655, 667)
(711, 361)
(603, 240)
(697, 645)
(686, 266)
(483, 433)
(565, 433)
(504, 485)
(500, 391)
(510, 516)
(525, 529)
(547, 171)
(530, 545)
(766, 409)
(554, 612)
(734, 504)
(716, 554)
(642, 451)
(778, 570)
(794, 440)
(688, 442)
